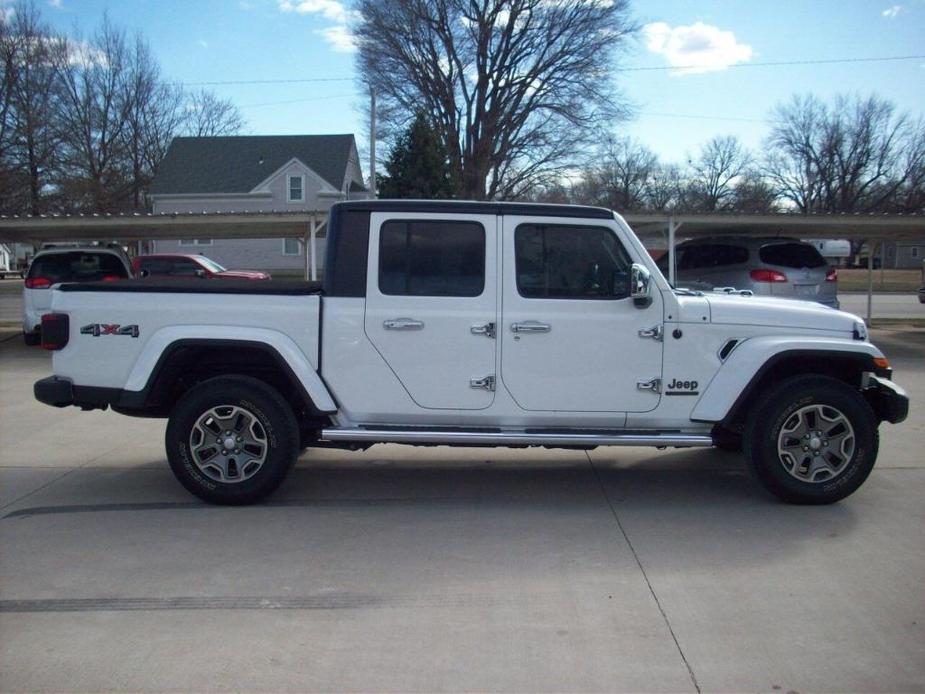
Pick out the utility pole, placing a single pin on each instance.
(372, 140)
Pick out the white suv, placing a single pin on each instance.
(65, 264)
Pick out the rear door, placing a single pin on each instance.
(570, 336)
(431, 305)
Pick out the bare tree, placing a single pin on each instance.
(94, 112)
(516, 87)
(208, 115)
(154, 114)
(620, 174)
(754, 194)
(855, 156)
(34, 104)
(715, 172)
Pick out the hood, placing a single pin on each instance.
(242, 275)
(784, 313)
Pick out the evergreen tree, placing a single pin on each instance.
(417, 167)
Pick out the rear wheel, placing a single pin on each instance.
(812, 440)
(232, 440)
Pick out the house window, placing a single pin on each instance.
(296, 188)
(292, 247)
(915, 251)
(195, 242)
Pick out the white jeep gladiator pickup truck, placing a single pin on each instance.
(465, 323)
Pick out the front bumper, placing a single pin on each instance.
(889, 401)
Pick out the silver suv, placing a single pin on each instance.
(782, 267)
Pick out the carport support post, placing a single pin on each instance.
(311, 242)
(870, 279)
(671, 259)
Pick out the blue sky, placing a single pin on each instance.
(677, 110)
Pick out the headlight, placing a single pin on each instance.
(860, 330)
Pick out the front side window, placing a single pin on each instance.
(570, 262)
(431, 258)
(296, 193)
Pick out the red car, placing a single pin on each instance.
(189, 265)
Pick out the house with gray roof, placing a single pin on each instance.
(263, 173)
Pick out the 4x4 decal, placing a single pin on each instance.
(97, 329)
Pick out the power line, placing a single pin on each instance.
(660, 114)
(243, 82)
(297, 101)
(776, 63)
(651, 68)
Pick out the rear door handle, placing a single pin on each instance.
(531, 326)
(403, 324)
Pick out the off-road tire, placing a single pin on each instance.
(267, 406)
(766, 421)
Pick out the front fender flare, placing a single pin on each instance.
(754, 356)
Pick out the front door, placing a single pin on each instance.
(570, 335)
(431, 305)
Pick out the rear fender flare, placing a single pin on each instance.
(301, 368)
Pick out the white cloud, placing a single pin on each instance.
(329, 9)
(339, 37)
(696, 48)
(55, 3)
(892, 12)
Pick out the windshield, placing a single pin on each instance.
(210, 264)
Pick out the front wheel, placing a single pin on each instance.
(812, 440)
(232, 440)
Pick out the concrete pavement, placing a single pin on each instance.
(403, 569)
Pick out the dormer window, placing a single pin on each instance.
(296, 188)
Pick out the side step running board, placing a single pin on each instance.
(514, 438)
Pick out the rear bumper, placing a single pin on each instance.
(889, 401)
(60, 392)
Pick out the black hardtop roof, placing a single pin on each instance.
(475, 207)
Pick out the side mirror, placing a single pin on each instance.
(144, 273)
(640, 279)
(640, 283)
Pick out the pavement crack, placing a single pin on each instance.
(645, 576)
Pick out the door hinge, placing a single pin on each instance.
(486, 329)
(655, 332)
(488, 383)
(654, 384)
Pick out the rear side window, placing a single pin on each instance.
(77, 267)
(431, 258)
(795, 255)
(710, 255)
(570, 262)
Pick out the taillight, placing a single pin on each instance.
(55, 330)
(768, 276)
(37, 283)
(111, 278)
(831, 275)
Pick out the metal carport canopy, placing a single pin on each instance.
(303, 225)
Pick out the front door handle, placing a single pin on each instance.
(531, 326)
(403, 324)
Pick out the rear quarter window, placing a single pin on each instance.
(793, 255)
